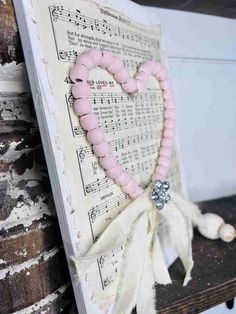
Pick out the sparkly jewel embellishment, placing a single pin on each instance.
(160, 195)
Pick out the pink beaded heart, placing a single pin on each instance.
(81, 90)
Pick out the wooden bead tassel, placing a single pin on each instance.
(213, 227)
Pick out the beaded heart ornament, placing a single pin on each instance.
(89, 121)
(141, 267)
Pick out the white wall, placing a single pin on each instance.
(202, 59)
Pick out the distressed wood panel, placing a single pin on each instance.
(10, 46)
(30, 282)
(33, 270)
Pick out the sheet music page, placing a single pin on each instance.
(132, 123)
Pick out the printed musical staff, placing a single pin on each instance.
(119, 144)
(102, 183)
(80, 20)
(110, 278)
(116, 98)
(70, 56)
(112, 259)
(98, 185)
(107, 206)
(98, 98)
(112, 126)
(129, 112)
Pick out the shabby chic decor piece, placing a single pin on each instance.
(106, 115)
(143, 263)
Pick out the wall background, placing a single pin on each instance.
(202, 60)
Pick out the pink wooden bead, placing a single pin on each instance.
(169, 104)
(157, 68)
(89, 121)
(158, 176)
(82, 106)
(96, 55)
(168, 94)
(142, 76)
(115, 172)
(137, 192)
(166, 84)
(165, 151)
(130, 86)
(170, 123)
(124, 178)
(117, 65)
(167, 142)
(123, 76)
(86, 60)
(80, 89)
(169, 133)
(107, 59)
(95, 136)
(169, 113)
(163, 160)
(79, 72)
(151, 63)
(146, 68)
(163, 75)
(130, 187)
(140, 85)
(108, 162)
(160, 169)
(102, 149)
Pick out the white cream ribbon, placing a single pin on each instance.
(143, 263)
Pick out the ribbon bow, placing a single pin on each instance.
(143, 263)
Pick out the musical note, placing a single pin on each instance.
(78, 131)
(54, 14)
(105, 207)
(103, 183)
(112, 126)
(120, 144)
(67, 55)
(81, 20)
(113, 253)
(98, 185)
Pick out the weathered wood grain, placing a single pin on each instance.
(33, 270)
(29, 232)
(57, 302)
(10, 45)
(29, 244)
(32, 281)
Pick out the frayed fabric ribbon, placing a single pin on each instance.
(137, 225)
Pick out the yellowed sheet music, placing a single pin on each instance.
(132, 123)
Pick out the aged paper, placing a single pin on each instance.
(132, 123)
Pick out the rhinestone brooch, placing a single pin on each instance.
(160, 195)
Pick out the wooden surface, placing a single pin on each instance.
(10, 46)
(214, 273)
(34, 274)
